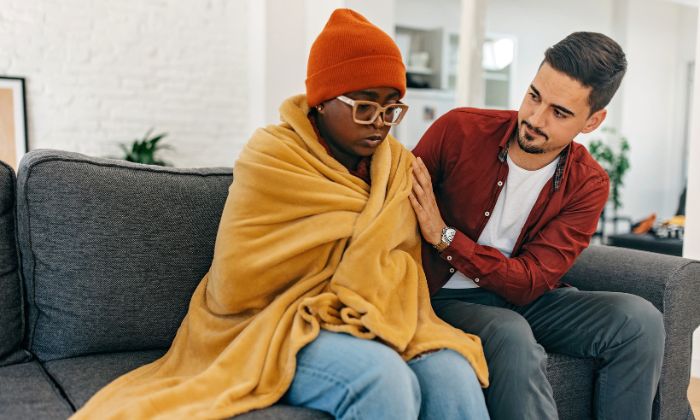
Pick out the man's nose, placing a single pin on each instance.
(537, 118)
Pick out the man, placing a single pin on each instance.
(506, 201)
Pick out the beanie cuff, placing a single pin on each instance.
(357, 74)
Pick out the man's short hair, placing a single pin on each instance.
(593, 59)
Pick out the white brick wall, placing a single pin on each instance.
(101, 72)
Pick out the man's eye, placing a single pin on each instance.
(559, 114)
(534, 97)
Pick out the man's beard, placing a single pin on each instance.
(524, 140)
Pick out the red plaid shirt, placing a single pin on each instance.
(465, 151)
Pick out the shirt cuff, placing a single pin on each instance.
(460, 248)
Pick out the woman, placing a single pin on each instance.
(316, 296)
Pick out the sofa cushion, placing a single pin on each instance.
(26, 392)
(111, 250)
(81, 377)
(286, 412)
(11, 319)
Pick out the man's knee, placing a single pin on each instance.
(510, 332)
(640, 322)
(511, 347)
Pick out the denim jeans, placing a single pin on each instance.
(352, 378)
(625, 333)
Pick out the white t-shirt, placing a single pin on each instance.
(512, 209)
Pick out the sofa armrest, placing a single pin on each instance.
(672, 284)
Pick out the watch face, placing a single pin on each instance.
(449, 235)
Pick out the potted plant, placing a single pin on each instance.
(144, 150)
(612, 152)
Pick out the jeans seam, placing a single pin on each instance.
(423, 357)
(312, 371)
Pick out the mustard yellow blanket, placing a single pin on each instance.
(302, 245)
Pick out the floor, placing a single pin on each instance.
(694, 395)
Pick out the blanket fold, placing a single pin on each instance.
(302, 245)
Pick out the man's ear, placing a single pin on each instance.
(595, 120)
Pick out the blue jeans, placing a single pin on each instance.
(352, 378)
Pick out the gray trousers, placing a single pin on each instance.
(624, 332)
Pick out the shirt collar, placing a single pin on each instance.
(510, 136)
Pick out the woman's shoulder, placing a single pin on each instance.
(274, 139)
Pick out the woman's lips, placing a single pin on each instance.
(373, 141)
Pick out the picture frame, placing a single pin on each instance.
(14, 141)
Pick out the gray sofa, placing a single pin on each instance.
(98, 259)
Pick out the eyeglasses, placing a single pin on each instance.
(366, 112)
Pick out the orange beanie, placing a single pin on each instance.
(352, 54)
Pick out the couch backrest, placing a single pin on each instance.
(111, 251)
(11, 316)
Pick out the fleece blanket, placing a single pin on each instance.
(302, 245)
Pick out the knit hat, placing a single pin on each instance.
(352, 54)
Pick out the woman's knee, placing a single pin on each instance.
(392, 377)
(368, 372)
(449, 386)
(445, 370)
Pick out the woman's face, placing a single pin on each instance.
(348, 140)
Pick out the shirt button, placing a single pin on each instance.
(452, 270)
(449, 258)
(487, 214)
(500, 183)
(476, 280)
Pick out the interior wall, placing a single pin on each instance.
(659, 40)
(538, 25)
(424, 15)
(103, 72)
(660, 43)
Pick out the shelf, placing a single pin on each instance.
(420, 70)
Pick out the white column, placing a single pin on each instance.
(470, 83)
(256, 64)
(691, 242)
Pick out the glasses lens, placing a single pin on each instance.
(365, 111)
(393, 114)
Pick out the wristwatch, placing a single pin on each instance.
(448, 234)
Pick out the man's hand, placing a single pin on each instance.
(424, 204)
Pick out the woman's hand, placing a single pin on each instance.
(424, 204)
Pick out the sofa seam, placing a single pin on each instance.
(145, 168)
(669, 285)
(30, 337)
(57, 387)
(18, 261)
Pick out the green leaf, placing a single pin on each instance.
(143, 150)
